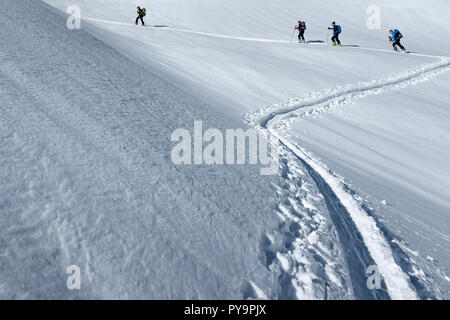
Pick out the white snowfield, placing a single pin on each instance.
(87, 179)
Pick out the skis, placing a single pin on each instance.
(402, 51)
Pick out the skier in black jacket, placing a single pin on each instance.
(301, 27)
(141, 14)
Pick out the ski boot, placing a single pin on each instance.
(334, 44)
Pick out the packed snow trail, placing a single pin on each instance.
(347, 93)
(317, 247)
(397, 282)
(333, 188)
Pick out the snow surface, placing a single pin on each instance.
(86, 171)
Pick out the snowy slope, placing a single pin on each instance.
(87, 178)
(98, 178)
(239, 52)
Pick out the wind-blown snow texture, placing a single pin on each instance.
(86, 176)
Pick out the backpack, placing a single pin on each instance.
(339, 29)
(144, 12)
(303, 25)
(398, 34)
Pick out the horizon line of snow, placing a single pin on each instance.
(216, 35)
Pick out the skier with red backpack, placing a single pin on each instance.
(301, 27)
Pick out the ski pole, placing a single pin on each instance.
(328, 36)
(292, 36)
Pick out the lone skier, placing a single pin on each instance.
(141, 14)
(394, 38)
(301, 27)
(336, 32)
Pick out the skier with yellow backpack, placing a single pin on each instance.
(141, 14)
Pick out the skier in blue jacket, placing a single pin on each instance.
(395, 37)
(336, 32)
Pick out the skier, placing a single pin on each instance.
(336, 32)
(394, 38)
(301, 27)
(141, 14)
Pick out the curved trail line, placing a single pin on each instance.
(347, 93)
(397, 282)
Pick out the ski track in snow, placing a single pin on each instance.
(305, 249)
(276, 119)
(320, 102)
